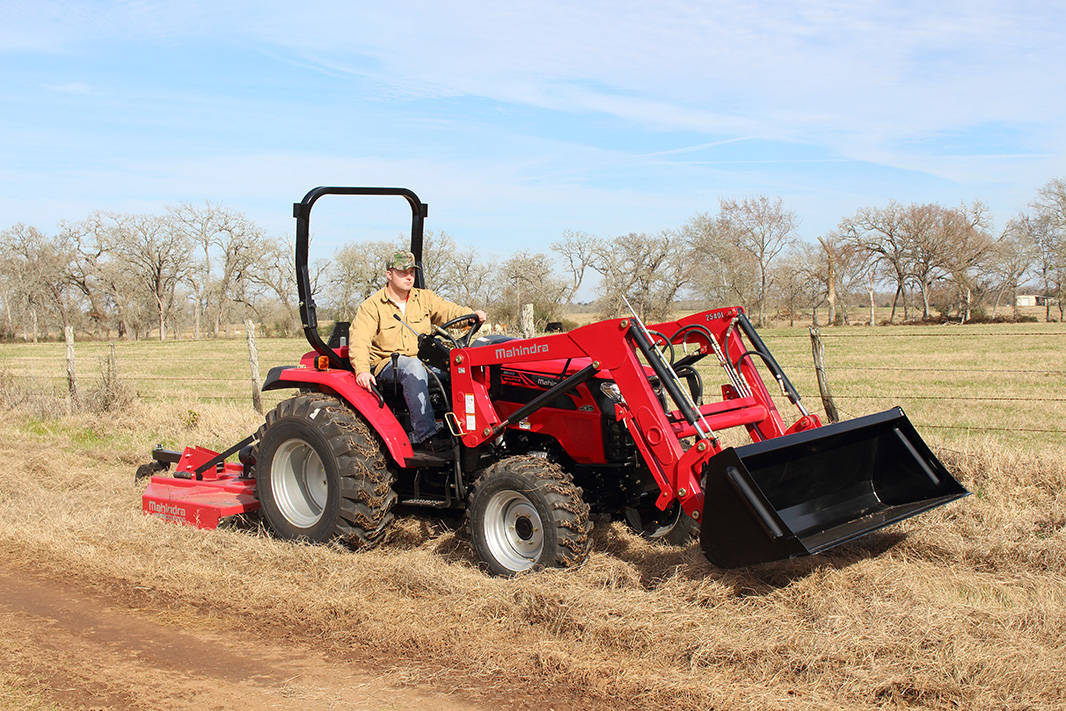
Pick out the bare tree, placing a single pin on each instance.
(1051, 243)
(1013, 259)
(200, 225)
(357, 271)
(852, 276)
(966, 231)
(1051, 202)
(880, 235)
(761, 227)
(24, 297)
(926, 238)
(528, 278)
(829, 254)
(649, 270)
(87, 265)
(797, 280)
(240, 246)
(1047, 248)
(156, 256)
(44, 266)
(577, 251)
(125, 297)
(834, 266)
(276, 274)
(719, 271)
(455, 272)
(474, 283)
(438, 262)
(236, 246)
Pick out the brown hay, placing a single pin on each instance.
(961, 608)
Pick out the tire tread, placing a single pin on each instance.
(571, 515)
(366, 494)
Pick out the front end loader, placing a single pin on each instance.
(615, 418)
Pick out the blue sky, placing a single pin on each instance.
(517, 121)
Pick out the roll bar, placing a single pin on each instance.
(302, 212)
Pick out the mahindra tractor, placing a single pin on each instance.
(616, 419)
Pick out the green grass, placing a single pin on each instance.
(76, 434)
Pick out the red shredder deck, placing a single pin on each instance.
(200, 502)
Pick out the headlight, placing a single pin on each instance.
(611, 390)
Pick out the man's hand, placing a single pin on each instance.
(482, 316)
(365, 380)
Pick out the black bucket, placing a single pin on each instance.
(806, 492)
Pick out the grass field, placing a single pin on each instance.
(960, 608)
(1003, 383)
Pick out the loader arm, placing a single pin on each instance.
(612, 350)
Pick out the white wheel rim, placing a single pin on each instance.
(513, 530)
(298, 482)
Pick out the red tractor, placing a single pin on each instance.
(610, 418)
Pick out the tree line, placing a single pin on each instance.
(195, 269)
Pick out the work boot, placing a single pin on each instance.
(437, 444)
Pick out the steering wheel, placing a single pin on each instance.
(464, 340)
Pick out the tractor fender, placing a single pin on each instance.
(342, 384)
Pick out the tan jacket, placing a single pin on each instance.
(376, 335)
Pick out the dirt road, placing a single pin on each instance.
(64, 646)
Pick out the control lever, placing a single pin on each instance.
(408, 327)
(395, 375)
(444, 334)
(440, 331)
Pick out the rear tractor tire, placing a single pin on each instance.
(525, 513)
(321, 474)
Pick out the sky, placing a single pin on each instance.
(517, 121)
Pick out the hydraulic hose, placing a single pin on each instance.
(760, 349)
(734, 376)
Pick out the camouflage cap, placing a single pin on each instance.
(402, 260)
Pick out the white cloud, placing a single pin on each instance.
(729, 67)
(819, 72)
(855, 80)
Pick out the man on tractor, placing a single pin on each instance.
(386, 323)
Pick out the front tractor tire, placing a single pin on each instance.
(321, 474)
(525, 513)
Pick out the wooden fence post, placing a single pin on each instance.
(72, 379)
(527, 321)
(110, 385)
(112, 364)
(253, 361)
(818, 352)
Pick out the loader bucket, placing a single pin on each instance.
(807, 492)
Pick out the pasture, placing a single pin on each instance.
(1000, 382)
(960, 608)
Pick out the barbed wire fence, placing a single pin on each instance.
(816, 336)
(27, 368)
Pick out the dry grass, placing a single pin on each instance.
(961, 608)
(967, 610)
(18, 696)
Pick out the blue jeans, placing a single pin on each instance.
(415, 384)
